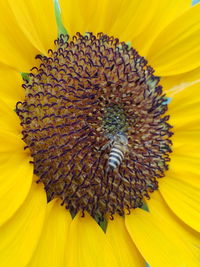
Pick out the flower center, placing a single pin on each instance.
(93, 119)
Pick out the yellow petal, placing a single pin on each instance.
(19, 236)
(155, 16)
(51, 246)
(104, 16)
(87, 244)
(10, 144)
(37, 20)
(16, 49)
(11, 86)
(190, 238)
(185, 109)
(181, 188)
(157, 240)
(77, 17)
(184, 116)
(190, 173)
(122, 19)
(173, 84)
(9, 121)
(124, 248)
(186, 144)
(183, 198)
(15, 178)
(176, 50)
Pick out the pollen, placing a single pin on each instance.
(84, 94)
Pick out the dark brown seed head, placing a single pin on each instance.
(87, 91)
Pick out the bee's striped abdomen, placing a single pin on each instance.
(115, 157)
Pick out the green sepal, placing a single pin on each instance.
(25, 76)
(145, 206)
(72, 213)
(167, 100)
(60, 26)
(102, 222)
(129, 44)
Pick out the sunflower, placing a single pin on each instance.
(99, 128)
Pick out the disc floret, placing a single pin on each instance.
(86, 91)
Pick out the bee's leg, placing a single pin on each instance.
(107, 145)
(108, 169)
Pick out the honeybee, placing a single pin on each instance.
(118, 146)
